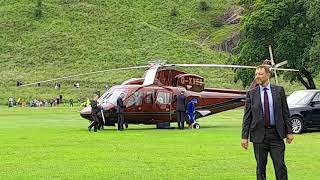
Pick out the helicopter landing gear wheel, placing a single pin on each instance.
(196, 126)
(126, 125)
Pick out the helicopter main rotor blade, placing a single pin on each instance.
(281, 64)
(89, 73)
(210, 65)
(283, 69)
(224, 66)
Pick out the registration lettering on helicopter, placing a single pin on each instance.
(191, 82)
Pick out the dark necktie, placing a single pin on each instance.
(266, 113)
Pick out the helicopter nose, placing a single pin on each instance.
(86, 110)
(86, 113)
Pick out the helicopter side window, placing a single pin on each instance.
(174, 98)
(135, 99)
(138, 98)
(163, 98)
(149, 97)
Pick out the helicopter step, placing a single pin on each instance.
(165, 125)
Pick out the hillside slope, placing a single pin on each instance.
(76, 36)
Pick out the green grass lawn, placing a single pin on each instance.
(53, 143)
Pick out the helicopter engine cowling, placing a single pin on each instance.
(191, 82)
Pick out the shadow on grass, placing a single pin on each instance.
(220, 127)
(312, 130)
(153, 127)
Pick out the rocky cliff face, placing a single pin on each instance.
(231, 16)
(229, 44)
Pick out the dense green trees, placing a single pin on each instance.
(291, 27)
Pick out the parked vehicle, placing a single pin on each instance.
(304, 109)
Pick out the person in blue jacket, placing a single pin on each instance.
(191, 111)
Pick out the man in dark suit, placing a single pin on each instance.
(181, 109)
(95, 109)
(120, 111)
(267, 120)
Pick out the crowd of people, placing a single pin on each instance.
(51, 102)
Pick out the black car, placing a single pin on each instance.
(304, 109)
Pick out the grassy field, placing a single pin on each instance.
(53, 143)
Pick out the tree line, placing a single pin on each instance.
(291, 27)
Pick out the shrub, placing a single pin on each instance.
(204, 6)
(38, 10)
(66, 1)
(174, 12)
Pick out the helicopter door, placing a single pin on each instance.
(147, 107)
(134, 106)
(163, 106)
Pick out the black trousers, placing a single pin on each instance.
(274, 144)
(120, 117)
(94, 123)
(101, 123)
(181, 116)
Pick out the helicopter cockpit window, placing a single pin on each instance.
(135, 99)
(105, 96)
(163, 98)
(112, 96)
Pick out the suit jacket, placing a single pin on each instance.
(120, 106)
(253, 122)
(181, 103)
(94, 107)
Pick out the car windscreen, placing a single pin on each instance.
(300, 98)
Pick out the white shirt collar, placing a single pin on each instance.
(261, 87)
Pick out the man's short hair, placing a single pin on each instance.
(266, 68)
(95, 96)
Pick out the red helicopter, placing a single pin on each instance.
(151, 99)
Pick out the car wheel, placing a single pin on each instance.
(297, 125)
